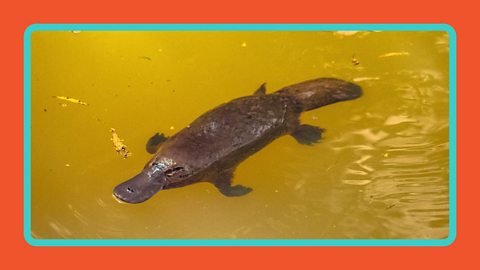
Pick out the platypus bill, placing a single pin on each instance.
(210, 148)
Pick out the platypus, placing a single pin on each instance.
(212, 146)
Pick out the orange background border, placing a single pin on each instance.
(17, 15)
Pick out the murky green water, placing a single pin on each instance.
(380, 172)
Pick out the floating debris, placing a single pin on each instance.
(359, 34)
(67, 165)
(390, 206)
(69, 99)
(76, 31)
(120, 147)
(244, 44)
(145, 58)
(356, 182)
(355, 61)
(361, 79)
(390, 54)
(345, 33)
(172, 127)
(63, 105)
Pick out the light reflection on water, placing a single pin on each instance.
(403, 165)
(381, 171)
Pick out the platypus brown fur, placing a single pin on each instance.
(211, 147)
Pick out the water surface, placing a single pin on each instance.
(381, 170)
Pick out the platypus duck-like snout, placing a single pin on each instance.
(141, 187)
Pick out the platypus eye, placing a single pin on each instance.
(177, 172)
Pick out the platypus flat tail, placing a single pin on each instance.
(320, 92)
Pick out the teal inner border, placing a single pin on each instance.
(240, 242)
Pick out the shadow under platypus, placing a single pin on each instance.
(211, 147)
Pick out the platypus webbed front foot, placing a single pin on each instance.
(154, 142)
(223, 181)
(307, 134)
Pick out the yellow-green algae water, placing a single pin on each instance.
(381, 170)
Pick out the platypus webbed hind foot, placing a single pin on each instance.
(307, 134)
(233, 191)
(223, 181)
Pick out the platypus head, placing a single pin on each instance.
(156, 175)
